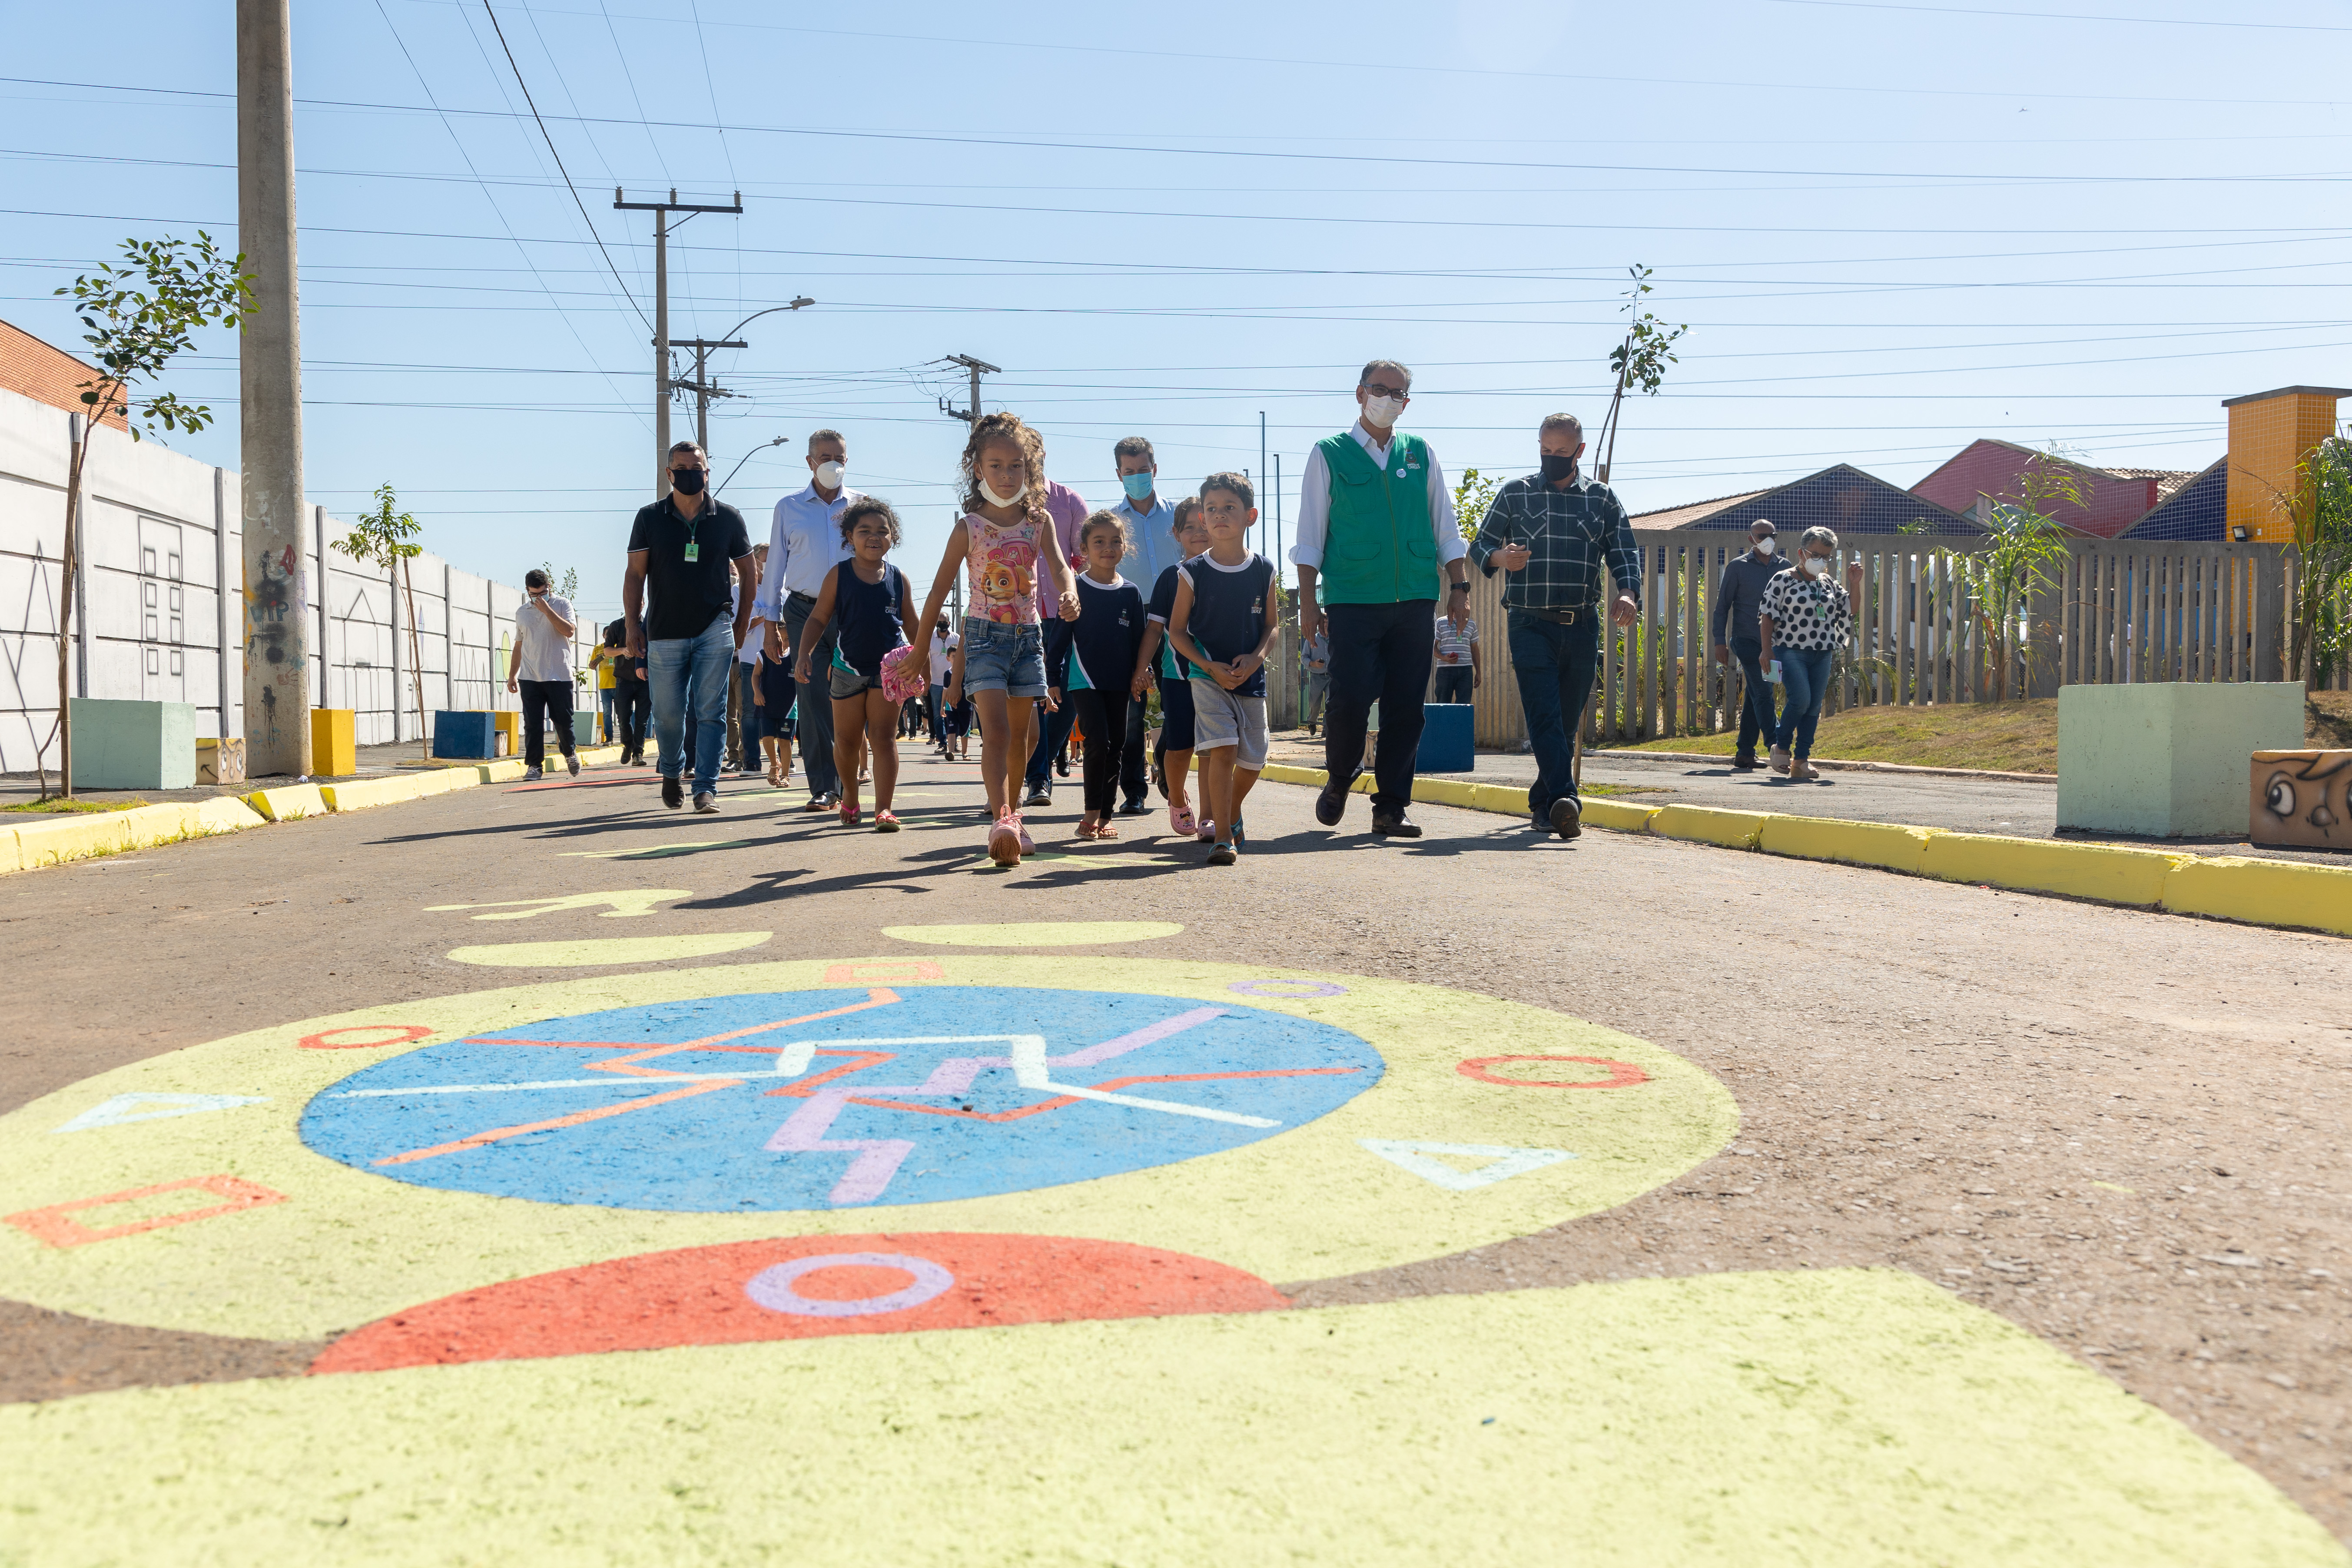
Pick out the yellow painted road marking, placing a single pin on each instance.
(625, 901)
(591, 951)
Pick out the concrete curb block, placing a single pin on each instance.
(2284, 893)
(2262, 892)
(505, 770)
(84, 836)
(1880, 844)
(286, 802)
(2108, 873)
(1711, 825)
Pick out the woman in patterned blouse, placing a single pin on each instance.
(1805, 617)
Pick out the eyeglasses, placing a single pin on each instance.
(1377, 390)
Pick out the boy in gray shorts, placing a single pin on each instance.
(1225, 618)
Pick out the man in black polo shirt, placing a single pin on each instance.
(688, 543)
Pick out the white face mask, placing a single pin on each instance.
(829, 475)
(1381, 412)
(1815, 566)
(1768, 545)
(992, 499)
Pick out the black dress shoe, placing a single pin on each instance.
(1394, 824)
(1332, 804)
(1746, 763)
(1136, 808)
(673, 794)
(1567, 817)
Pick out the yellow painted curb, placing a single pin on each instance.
(31, 845)
(1881, 844)
(1710, 824)
(2263, 892)
(287, 802)
(1614, 815)
(599, 756)
(504, 771)
(2105, 872)
(358, 795)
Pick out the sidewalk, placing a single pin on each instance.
(1915, 800)
(373, 761)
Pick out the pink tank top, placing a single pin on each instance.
(1001, 571)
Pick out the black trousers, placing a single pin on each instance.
(1379, 653)
(543, 701)
(1134, 780)
(633, 713)
(1103, 713)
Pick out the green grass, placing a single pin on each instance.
(2004, 737)
(56, 804)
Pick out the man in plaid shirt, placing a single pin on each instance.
(1552, 531)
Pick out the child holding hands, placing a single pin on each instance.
(874, 604)
(1225, 616)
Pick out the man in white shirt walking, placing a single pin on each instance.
(539, 671)
(804, 544)
(1151, 529)
(1376, 534)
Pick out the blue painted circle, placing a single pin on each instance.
(822, 1100)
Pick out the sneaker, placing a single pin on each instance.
(1779, 759)
(1801, 769)
(1332, 804)
(1039, 794)
(673, 794)
(1223, 855)
(1567, 816)
(1004, 842)
(530, 775)
(572, 763)
(705, 801)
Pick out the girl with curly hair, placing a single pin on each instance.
(874, 604)
(1004, 541)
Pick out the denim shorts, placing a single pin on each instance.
(998, 656)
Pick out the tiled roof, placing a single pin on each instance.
(1691, 512)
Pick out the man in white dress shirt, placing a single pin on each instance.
(804, 544)
(1376, 536)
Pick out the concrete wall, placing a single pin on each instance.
(161, 536)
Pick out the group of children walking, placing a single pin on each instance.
(1203, 635)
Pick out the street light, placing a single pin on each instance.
(748, 456)
(771, 310)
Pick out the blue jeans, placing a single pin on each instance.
(1555, 665)
(691, 673)
(1805, 671)
(1756, 715)
(748, 713)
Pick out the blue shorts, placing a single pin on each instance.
(998, 656)
(1175, 715)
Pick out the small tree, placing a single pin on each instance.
(139, 313)
(2322, 634)
(1474, 493)
(2024, 545)
(1640, 361)
(568, 586)
(382, 539)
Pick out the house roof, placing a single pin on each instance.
(2197, 510)
(1842, 498)
(45, 373)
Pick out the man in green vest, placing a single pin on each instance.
(1376, 540)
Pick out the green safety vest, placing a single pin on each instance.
(1377, 548)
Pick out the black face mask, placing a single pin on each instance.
(1557, 468)
(688, 481)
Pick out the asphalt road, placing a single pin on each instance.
(2122, 1132)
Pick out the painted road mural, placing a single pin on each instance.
(888, 1258)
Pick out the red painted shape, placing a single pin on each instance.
(696, 1296)
(1621, 1075)
(57, 1225)
(401, 1033)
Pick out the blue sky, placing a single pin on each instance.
(1890, 227)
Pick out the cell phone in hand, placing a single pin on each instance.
(1772, 672)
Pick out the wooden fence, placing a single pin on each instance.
(2115, 613)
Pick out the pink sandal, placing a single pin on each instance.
(1180, 820)
(1028, 845)
(885, 822)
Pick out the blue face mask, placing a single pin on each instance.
(1138, 485)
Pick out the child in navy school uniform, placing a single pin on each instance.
(1102, 664)
(1172, 759)
(1225, 616)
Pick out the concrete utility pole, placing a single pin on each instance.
(270, 381)
(978, 367)
(701, 385)
(663, 383)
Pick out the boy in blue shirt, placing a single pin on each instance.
(1225, 616)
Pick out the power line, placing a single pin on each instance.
(559, 163)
